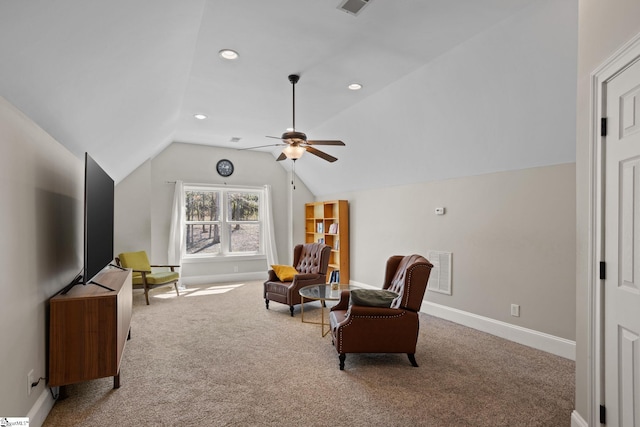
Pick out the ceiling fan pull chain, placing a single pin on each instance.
(293, 177)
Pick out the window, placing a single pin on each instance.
(222, 221)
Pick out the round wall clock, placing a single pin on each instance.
(224, 167)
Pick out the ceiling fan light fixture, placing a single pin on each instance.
(293, 152)
(228, 54)
(200, 116)
(355, 86)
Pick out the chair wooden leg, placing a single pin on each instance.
(175, 285)
(146, 293)
(342, 357)
(412, 359)
(291, 310)
(266, 302)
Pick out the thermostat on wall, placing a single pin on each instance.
(439, 211)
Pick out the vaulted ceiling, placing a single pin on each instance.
(122, 79)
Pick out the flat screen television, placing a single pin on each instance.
(98, 218)
(98, 223)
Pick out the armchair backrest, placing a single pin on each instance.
(407, 276)
(135, 261)
(311, 258)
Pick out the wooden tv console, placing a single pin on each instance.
(88, 329)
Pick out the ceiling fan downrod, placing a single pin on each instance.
(293, 78)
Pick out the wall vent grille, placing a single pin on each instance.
(353, 7)
(440, 277)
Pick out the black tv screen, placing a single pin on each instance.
(98, 218)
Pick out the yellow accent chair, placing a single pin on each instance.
(142, 274)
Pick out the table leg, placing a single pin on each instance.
(324, 333)
(322, 322)
(322, 319)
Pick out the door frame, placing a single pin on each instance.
(618, 62)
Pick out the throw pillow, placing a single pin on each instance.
(373, 297)
(284, 272)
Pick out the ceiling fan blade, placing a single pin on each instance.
(325, 142)
(282, 156)
(321, 154)
(261, 146)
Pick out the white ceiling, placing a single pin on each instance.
(122, 79)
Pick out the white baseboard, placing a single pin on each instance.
(220, 278)
(577, 420)
(529, 337)
(41, 408)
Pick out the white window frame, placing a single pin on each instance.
(224, 222)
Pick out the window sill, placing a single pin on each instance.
(222, 258)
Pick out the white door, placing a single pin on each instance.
(622, 249)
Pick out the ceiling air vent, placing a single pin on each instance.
(353, 7)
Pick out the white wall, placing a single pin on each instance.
(41, 184)
(604, 27)
(132, 223)
(191, 163)
(512, 235)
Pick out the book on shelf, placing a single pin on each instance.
(320, 227)
(333, 228)
(334, 277)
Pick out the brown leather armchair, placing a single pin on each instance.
(364, 329)
(311, 260)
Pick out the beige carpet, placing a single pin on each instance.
(216, 357)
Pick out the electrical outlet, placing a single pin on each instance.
(515, 310)
(30, 380)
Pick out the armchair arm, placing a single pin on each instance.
(142, 271)
(308, 276)
(302, 280)
(343, 304)
(272, 276)
(378, 312)
(172, 267)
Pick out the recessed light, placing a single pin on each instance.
(228, 54)
(200, 116)
(355, 86)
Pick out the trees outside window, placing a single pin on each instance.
(222, 221)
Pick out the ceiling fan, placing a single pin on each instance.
(296, 143)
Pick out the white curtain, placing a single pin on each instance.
(269, 235)
(176, 232)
